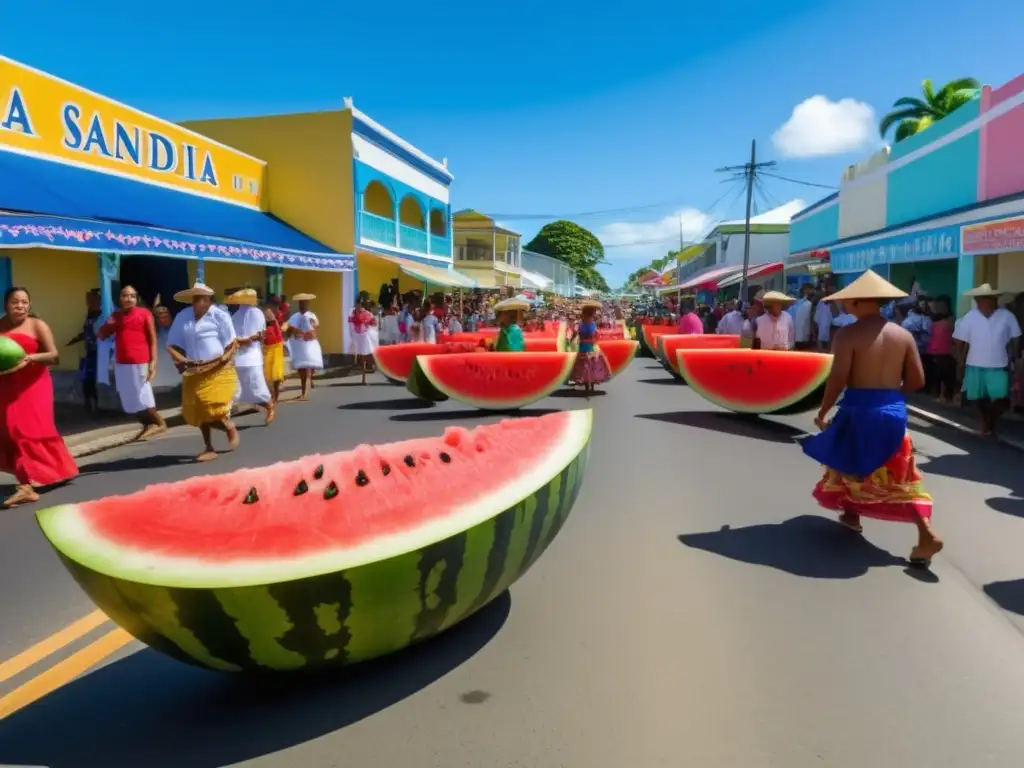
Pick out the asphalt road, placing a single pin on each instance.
(696, 610)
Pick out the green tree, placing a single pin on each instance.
(912, 115)
(574, 245)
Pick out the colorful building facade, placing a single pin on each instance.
(352, 183)
(94, 193)
(486, 252)
(943, 209)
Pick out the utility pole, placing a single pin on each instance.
(748, 172)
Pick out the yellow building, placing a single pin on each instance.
(94, 193)
(356, 186)
(486, 252)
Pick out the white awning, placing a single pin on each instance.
(536, 281)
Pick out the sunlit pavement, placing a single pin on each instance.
(696, 610)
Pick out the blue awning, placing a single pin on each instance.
(53, 205)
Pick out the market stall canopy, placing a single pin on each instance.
(691, 252)
(48, 204)
(754, 271)
(706, 279)
(431, 275)
(536, 281)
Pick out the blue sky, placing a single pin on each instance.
(552, 107)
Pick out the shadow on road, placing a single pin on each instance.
(148, 711)
(132, 463)
(577, 393)
(738, 424)
(1008, 595)
(809, 546)
(654, 367)
(407, 403)
(672, 381)
(470, 413)
(360, 384)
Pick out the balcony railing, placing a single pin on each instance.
(412, 239)
(376, 228)
(473, 253)
(440, 245)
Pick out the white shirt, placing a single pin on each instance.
(823, 320)
(454, 326)
(304, 322)
(802, 320)
(204, 339)
(987, 337)
(731, 324)
(844, 319)
(248, 321)
(775, 332)
(430, 329)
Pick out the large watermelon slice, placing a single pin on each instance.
(11, 354)
(756, 380)
(419, 385)
(394, 361)
(650, 335)
(618, 353)
(500, 380)
(328, 560)
(669, 343)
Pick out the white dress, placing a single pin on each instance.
(253, 390)
(306, 354)
(430, 329)
(389, 333)
(365, 338)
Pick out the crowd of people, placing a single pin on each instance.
(220, 355)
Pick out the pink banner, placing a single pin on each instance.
(993, 236)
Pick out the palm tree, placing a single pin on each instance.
(912, 115)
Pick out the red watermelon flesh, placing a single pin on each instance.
(499, 380)
(313, 515)
(651, 334)
(394, 361)
(756, 380)
(670, 343)
(618, 353)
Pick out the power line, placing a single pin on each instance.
(582, 214)
(798, 181)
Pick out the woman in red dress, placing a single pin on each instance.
(31, 449)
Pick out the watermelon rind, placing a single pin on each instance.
(634, 346)
(338, 607)
(419, 385)
(799, 400)
(494, 404)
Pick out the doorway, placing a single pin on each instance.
(154, 276)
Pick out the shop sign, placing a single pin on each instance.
(999, 236)
(927, 245)
(44, 116)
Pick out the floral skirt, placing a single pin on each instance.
(590, 368)
(893, 492)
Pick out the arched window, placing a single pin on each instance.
(438, 222)
(378, 201)
(410, 212)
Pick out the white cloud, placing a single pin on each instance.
(652, 239)
(819, 128)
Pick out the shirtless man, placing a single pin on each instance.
(867, 453)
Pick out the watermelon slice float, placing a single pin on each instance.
(394, 361)
(668, 344)
(328, 560)
(755, 380)
(649, 337)
(498, 381)
(618, 354)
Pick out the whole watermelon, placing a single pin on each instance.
(11, 353)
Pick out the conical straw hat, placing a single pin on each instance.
(513, 305)
(985, 289)
(303, 297)
(186, 296)
(246, 296)
(776, 296)
(869, 286)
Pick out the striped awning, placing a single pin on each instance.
(754, 271)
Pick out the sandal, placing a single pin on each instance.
(849, 525)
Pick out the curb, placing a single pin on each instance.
(934, 418)
(105, 438)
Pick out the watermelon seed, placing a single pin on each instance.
(318, 472)
(331, 490)
(252, 497)
(409, 461)
(446, 458)
(385, 468)
(362, 479)
(301, 488)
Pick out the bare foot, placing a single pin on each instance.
(23, 494)
(271, 414)
(851, 522)
(207, 455)
(233, 439)
(152, 431)
(922, 554)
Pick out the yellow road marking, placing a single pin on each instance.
(50, 645)
(63, 672)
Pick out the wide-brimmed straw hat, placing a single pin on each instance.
(870, 286)
(594, 303)
(775, 297)
(985, 289)
(198, 289)
(303, 297)
(512, 305)
(246, 296)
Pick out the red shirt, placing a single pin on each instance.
(273, 335)
(131, 345)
